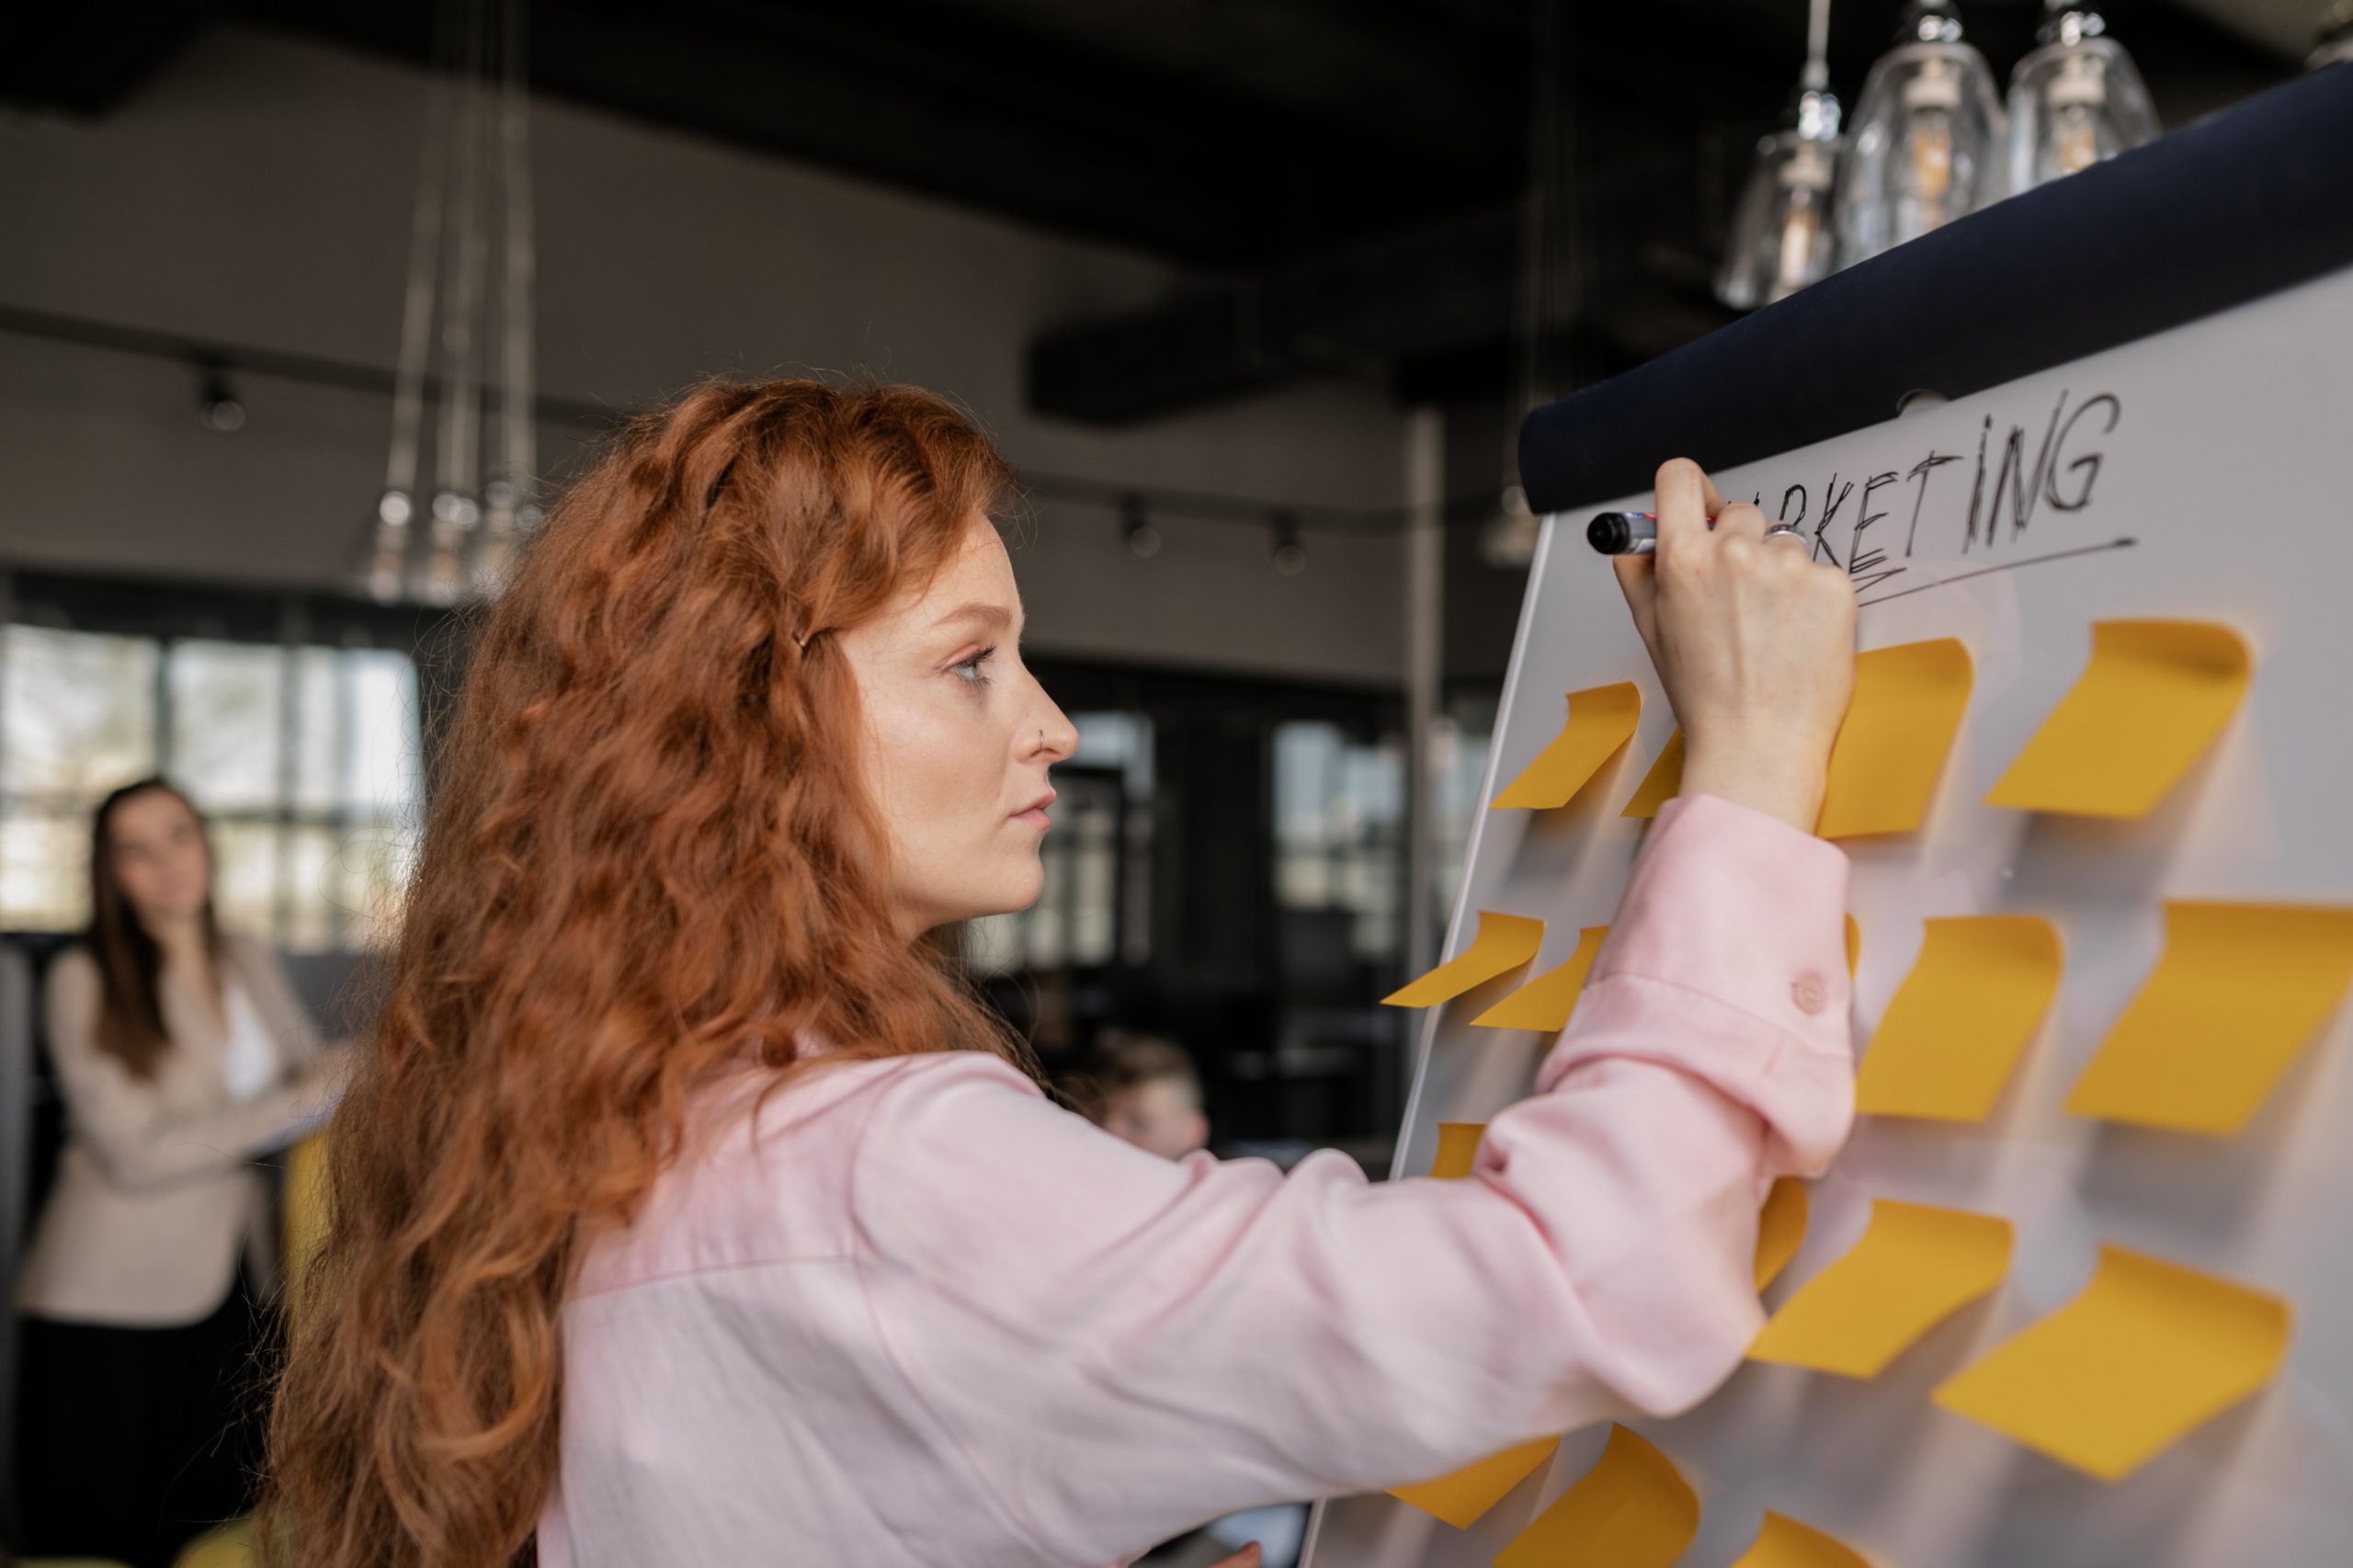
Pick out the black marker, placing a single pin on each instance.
(1623, 533)
(1636, 533)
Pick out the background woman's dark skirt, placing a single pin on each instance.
(132, 1441)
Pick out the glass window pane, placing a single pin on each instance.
(80, 710)
(1045, 924)
(1458, 758)
(385, 776)
(314, 914)
(320, 739)
(1340, 813)
(1122, 741)
(372, 869)
(1094, 881)
(44, 871)
(244, 877)
(1105, 740)
(993, 944)
(1373, 781)
(227, 721)
(1303, 882)
(1306, 762)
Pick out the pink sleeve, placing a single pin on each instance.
(1124, 1346)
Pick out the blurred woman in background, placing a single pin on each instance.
(183, 1057)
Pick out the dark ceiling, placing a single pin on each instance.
(1346, 173)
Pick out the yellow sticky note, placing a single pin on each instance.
(1631, 1510)
(1970, 1004)
(1600, 721)
(2153, 698)
(1545, 1003)
(1780, 1229)
(1661, 784)
(1854, 945)
(1785, 1543)
(1505, 942)
(1461, 1498)
(1891, 751)
(2149, 1352)
(1458, 1148)
(2238, 990)
(1915, 1266)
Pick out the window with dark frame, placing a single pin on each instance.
(304, 756)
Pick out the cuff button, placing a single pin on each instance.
(1809, 993)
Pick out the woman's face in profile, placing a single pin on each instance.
(959, 737)
(160, 860)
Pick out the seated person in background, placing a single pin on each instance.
(183, 1057)
(1145, 1089)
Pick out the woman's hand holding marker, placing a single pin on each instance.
(1754, 640)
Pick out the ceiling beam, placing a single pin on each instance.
(86, 56)
(1353, 311)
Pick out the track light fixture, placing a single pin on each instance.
(1137, 528)
(217, 406)
(1290, 551)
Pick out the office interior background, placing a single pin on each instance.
(1253, 294)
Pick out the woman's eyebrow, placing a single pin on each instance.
(995, 617)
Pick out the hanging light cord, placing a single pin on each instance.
(519, 440)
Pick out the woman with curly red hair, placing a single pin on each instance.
(687, 1210)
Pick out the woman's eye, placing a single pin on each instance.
(970, 670)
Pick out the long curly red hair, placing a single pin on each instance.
(650, 861)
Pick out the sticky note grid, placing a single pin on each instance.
(2149, 1350)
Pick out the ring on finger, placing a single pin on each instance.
(1784, 530)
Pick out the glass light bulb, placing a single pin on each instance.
(388, 550)
(2074, 102)
(1800, 237)
(388, 564)
(442, 579)
(1925, 148)
(1926, 136)
(2333, 44)
(1781, 237)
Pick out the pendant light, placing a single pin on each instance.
(1781, 233)
(2076, 100)
(1926, 144)
(2334, 43)
(463, 391)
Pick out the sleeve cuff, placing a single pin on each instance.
(1743, 909)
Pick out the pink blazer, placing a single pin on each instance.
(919, 1317)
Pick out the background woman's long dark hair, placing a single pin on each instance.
(130, 1018)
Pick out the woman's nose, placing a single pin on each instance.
(1057, 737)
(1051, 729)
